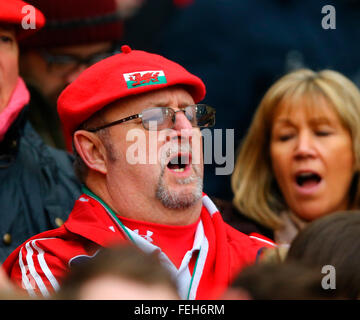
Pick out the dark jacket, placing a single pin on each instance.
(38, 187)
(44, 119)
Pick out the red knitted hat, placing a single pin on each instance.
(73, 22)
(128, 73)
(15, 11)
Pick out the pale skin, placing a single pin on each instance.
(315, 142)
(129, 189)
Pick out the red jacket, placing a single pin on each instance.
(41, 262)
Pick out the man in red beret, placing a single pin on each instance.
(37, 184)
(135, 122)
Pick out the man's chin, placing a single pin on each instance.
(179, 196)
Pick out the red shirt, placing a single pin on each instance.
(221, 252)
(174, 241)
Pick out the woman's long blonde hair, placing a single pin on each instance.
(256, 193)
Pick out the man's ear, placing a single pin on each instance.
(91, 150)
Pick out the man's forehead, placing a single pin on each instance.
(158, 98)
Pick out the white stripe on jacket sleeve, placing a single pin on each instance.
(33, 272)
(25, 280)
(45, 267)
(34, 269)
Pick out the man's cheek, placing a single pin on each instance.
(136, 147)
(197, 150)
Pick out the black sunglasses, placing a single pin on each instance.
(159, 118)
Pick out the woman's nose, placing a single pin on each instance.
(305, 146)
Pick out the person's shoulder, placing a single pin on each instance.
(245, 243)
(34, 142)
(31, 246)
(244, 249)
(58, 162)
(57, 245)
(236, 219)
(252, 241)
(40, 262)
(243, 234)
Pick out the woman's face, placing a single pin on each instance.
(9, 70)
(312, 159)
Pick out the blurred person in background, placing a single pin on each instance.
(76, 35)
(119, 273)
(155, 202)
(283, 281)
(8, 291)
(301, 157)
(332, 241)
(5, 283)
(37, 183)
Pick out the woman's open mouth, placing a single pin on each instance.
(307, 181)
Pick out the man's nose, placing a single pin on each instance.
(182, 128)
(181, 121)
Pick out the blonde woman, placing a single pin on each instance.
(300, 158)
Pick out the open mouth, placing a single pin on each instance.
(179, 163)
(307, 179)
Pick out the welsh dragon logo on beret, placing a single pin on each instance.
(144, 78)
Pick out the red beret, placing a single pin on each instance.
(125, 74)
(14, 12)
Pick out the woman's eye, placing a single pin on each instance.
(285, 137)
(323, 133)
